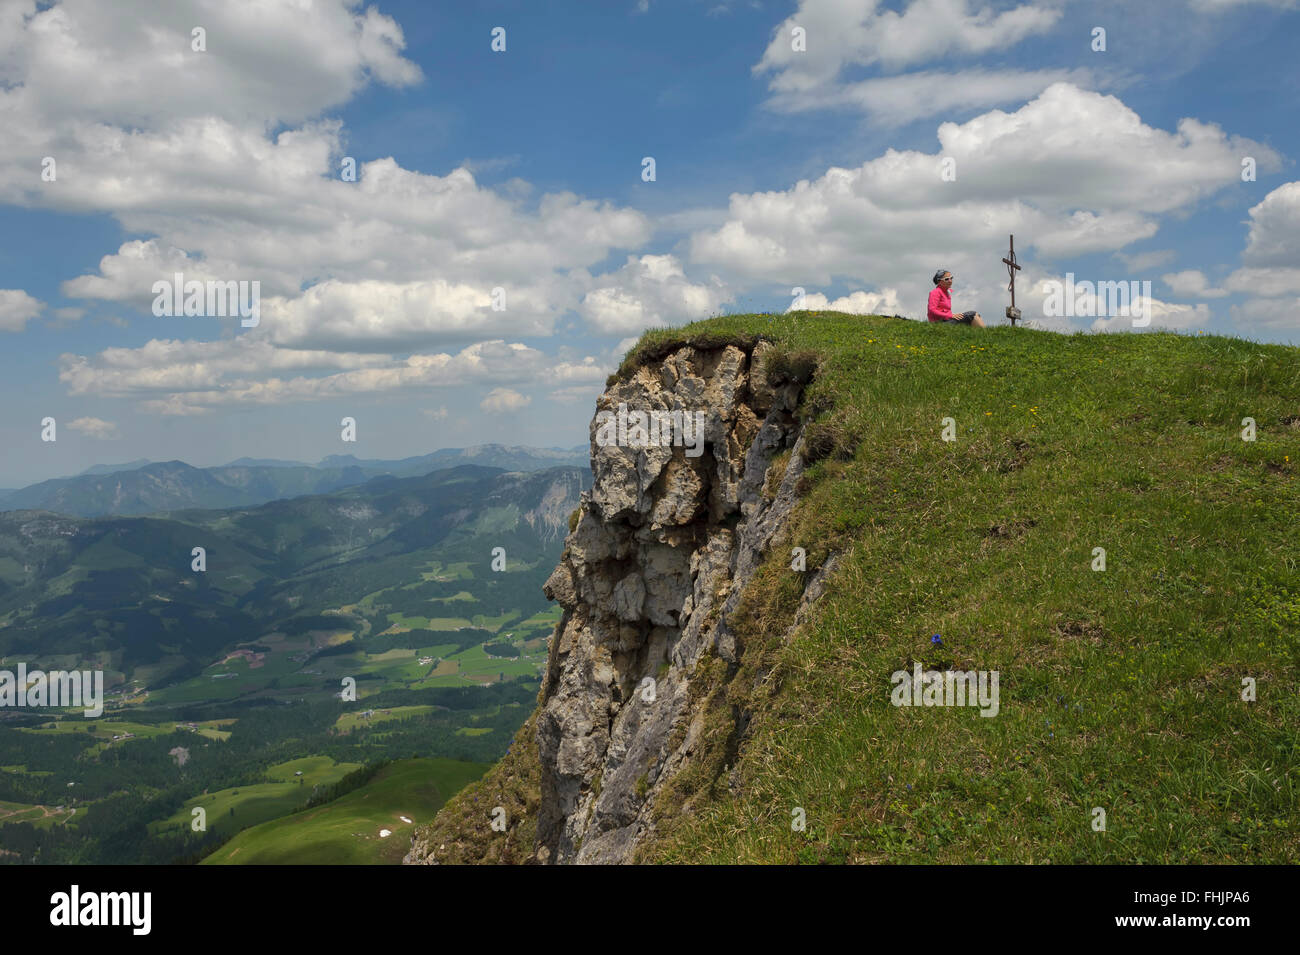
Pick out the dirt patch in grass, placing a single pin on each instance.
(1081, 630)
(1016, 528)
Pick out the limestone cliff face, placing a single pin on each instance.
(663, 547)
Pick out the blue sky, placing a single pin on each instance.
(521, 170)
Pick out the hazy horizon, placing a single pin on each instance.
(122, 465)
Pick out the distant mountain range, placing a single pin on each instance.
(110, 468)
(122, 592)
(158, 487)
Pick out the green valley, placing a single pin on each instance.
(320, 640)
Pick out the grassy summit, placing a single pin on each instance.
(1120, 689)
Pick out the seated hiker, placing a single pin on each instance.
(940, 305)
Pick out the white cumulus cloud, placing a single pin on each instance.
(503, 400)
(17, 308)
(96, 428)
(841, 35)
(649, 291)
(1191, 283)
(1270, 270)
(884, 302)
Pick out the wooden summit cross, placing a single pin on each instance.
(1013, 313)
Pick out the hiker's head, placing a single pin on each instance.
(943, 277)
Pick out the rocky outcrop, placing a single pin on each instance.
(663, 546)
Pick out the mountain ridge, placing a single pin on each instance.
(158, 487)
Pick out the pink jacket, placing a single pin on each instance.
(940, 306)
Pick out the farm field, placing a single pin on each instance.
(229, 810)
(350, 721)
(40, 816)
(347, 830)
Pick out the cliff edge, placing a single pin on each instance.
(660, 554)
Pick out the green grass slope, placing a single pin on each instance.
(1120, 689)
(346, 831)
(239, 807)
